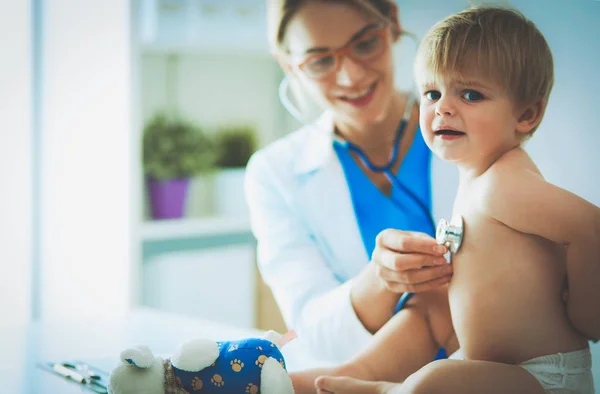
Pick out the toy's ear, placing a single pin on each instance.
(274, 379)
(140, 356)
(195, 355)
(139, 372)
(272, 336)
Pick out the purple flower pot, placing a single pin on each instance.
(168, 197)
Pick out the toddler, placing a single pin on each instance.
(485, 76)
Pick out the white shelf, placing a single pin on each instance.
(203, 26)
(172, 229)
(227, 49)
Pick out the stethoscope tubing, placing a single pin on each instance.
(386, 169)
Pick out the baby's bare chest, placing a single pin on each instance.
(494, 255)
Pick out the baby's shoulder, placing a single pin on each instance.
(506, 179)
(509, 169)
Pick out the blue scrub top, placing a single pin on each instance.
(374, 210)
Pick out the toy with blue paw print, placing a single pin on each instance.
(248, 366)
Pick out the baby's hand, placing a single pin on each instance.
(565, 299)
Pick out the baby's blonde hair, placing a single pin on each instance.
(500, 44)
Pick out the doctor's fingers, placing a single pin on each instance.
(408, 242)
(416, 280)
(404, 261)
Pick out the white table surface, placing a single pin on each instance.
(99, 343)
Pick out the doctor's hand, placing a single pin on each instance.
(410, 261)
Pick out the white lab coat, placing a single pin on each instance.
(309, 243)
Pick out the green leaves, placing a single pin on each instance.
(175, 148)
(235, 145)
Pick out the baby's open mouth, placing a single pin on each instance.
(448, 132)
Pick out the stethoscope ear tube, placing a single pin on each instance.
(285, 101)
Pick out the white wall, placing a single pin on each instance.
(566, 145)
(86, 159)
(15, 162)
(214, 89)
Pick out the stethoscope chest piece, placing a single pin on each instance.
(450, 233)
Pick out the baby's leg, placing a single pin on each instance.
(444, 377)
(399, 348)
(468, 376)
(403, 345)
(345, 385)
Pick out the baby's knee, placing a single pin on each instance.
(425, 380)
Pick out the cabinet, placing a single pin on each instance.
(216, 283)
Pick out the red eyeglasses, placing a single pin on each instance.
(366, 48)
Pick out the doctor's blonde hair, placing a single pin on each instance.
(496, 43)
(280, 12)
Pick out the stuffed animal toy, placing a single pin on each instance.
(249, 366)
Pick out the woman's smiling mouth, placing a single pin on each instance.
(361, 98)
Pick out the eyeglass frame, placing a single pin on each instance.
(381, 31)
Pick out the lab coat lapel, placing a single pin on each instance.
(325, 197)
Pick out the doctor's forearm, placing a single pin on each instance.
(373, 303)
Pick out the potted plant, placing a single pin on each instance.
(174, 150)
(235, 144)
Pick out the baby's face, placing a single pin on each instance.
(469, 121)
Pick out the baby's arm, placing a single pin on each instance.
(524, 201)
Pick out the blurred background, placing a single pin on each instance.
(99, 216)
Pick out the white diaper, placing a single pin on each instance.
(561, 373)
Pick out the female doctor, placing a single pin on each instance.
(341, 207)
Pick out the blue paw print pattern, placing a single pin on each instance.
(237, 370)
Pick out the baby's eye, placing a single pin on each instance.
(472, 95)
(432, 95)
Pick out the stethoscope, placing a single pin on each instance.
(385, 169)
(447, 233)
